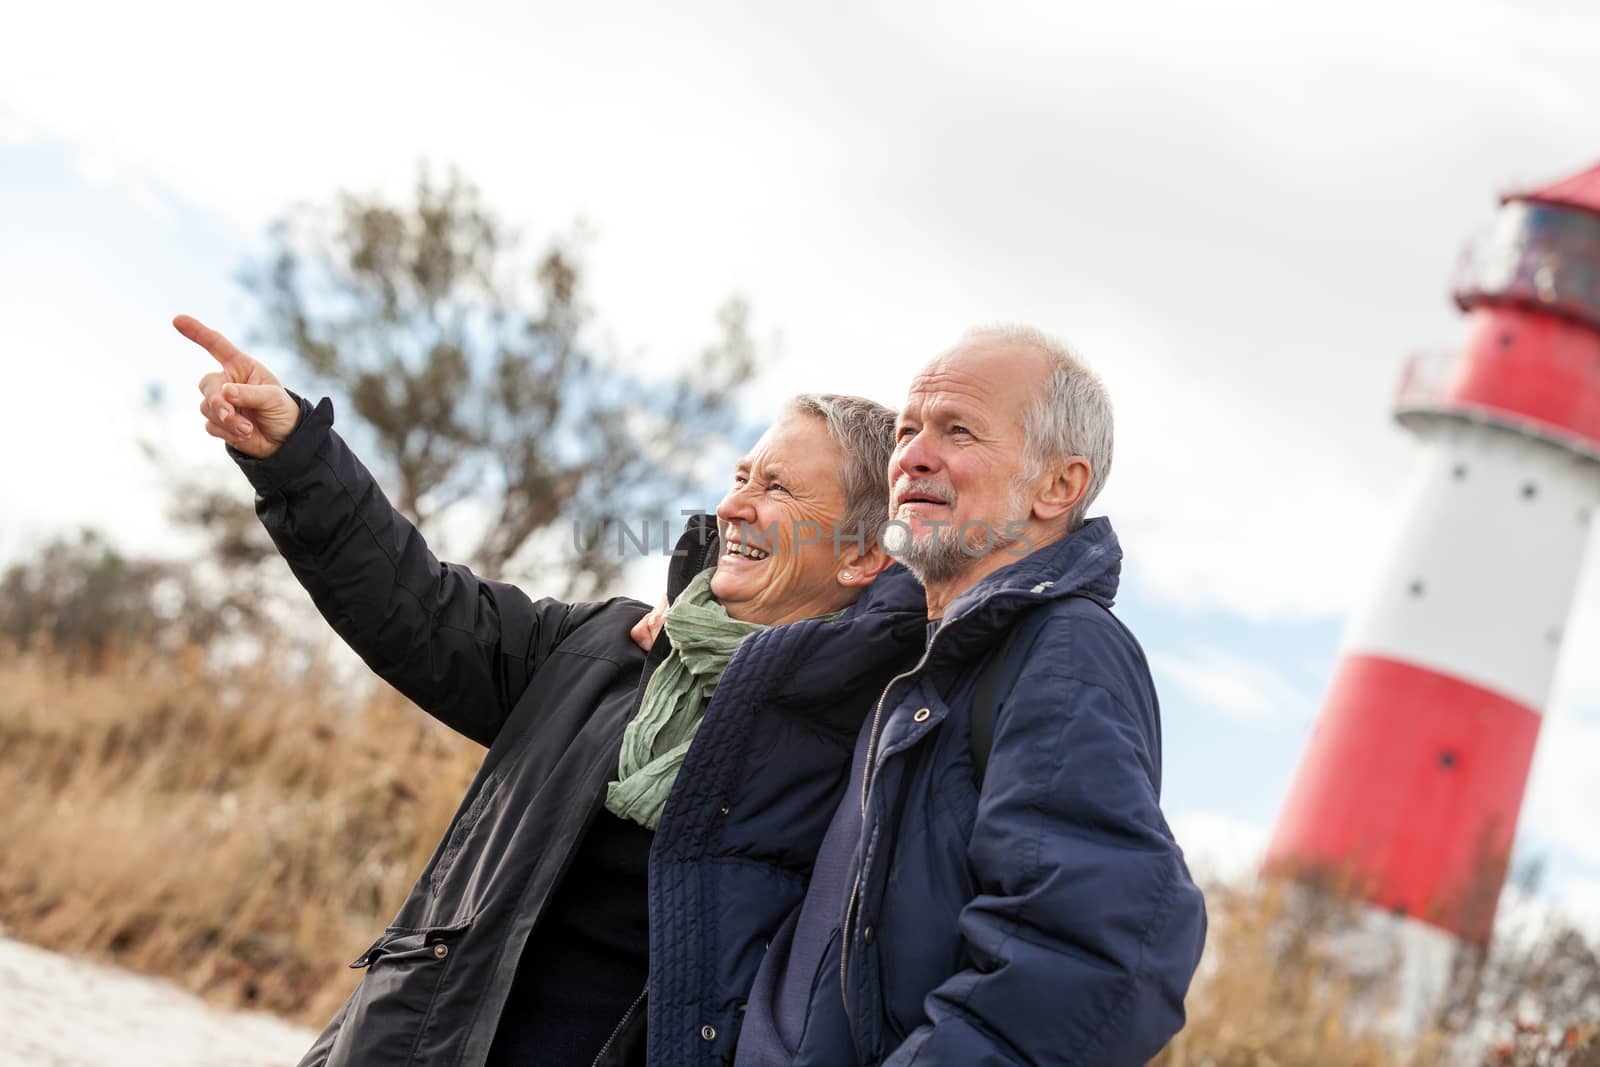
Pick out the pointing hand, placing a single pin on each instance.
(243, 403)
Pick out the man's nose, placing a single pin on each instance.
(917, 456)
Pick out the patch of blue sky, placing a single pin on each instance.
(1230, 760)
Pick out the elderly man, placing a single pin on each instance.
(998, 885)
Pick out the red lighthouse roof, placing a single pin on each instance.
(1581, 191)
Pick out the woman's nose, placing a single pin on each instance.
(736, 506)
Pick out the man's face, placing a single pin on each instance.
(778, 525)
(955, 476)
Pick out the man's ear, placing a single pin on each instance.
(1062, 491)
(862, 566)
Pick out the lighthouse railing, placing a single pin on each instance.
(1431, 387)
(1425, 381)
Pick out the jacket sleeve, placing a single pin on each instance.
(1086, 926)
(461, 647)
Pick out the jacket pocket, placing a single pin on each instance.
(394, 1001)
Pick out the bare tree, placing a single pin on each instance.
(466, 374)
(79, 597)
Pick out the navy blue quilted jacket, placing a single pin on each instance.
(1048, 917)
(548, 687)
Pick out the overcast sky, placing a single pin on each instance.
(1244, 215)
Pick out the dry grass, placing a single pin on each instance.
(1276, 989)
(247, 833)
(1270, 993)
(242, 832)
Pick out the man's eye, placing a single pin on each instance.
(960, 429)
(776, 487)
(739, 479)
(904, 431)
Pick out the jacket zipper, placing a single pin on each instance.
(877, 714)
(605, 1048)
(866, 790)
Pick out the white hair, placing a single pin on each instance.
(864, 431)
(1071, 416)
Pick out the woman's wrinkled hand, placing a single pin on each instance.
(243, 403)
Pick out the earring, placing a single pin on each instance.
(846, 575)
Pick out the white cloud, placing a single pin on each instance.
(1564, 790)
(1220, 847)
(1224, 502)
(1577, 682)
(14, 132)
(84, 469)
(102, 171)
(1524, 917)
(1240, 687)
(1243, 216)
(1579, 900)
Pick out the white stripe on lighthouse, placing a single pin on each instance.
(1481, 583)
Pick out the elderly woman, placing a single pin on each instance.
(641, 824)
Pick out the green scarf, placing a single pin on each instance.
(655, 742)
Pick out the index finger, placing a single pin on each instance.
(221, 349)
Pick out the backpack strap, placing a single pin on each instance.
(983, 705)
(986, 699)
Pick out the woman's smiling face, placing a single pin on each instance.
(778, 524)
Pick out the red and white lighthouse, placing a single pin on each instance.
(1410, 787)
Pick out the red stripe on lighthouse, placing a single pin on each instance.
(1532, 365)
(1409, 793)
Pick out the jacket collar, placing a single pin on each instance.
(894, 592)
(698, 547)
(1086, 563)
(815, 661)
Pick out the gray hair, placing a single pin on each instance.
(864, 432)
(1071, 416)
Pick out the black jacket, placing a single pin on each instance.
(548, 687)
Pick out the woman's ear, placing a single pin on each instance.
(858, 568)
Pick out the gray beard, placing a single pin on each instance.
(941, 556)
(936, 558)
